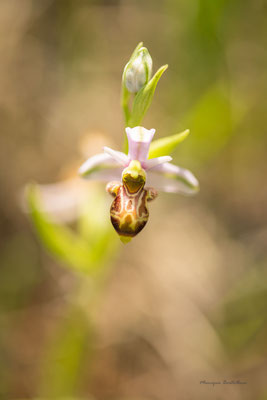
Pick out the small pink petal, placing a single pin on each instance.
(154, 162)
(171, 178)
(118, 156)
(101, 167)
(139, 140)
(93, 162)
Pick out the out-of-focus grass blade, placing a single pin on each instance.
(243, 317)
(263, 396)
(211, 123)
(95, 227)
(66, 246)
(20, 271)
(64, 360)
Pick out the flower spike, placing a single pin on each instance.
(132, 177)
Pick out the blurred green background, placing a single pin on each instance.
(186, 300)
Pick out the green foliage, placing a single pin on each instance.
(144, 98)
(239, 330)
(243, 321)
(86, 251)
(211, 122)
(64, 359)
(263, 396)
(166, 145)
(20, 271)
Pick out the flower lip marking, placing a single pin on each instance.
(129, 212)
(134, 177)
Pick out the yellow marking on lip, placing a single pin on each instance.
(134, 174)
(125, 239)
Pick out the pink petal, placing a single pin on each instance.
(171, 178)
(118, 156)
(153, 162)
(101, 167)
(139, 140)
(61, 200)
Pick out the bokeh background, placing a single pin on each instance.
(184, 302)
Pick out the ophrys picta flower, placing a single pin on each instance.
(134, 179)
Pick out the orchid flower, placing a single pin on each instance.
(134, 179)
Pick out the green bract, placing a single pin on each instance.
(144, 98)
(167, 144)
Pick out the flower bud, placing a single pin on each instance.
(138, 71)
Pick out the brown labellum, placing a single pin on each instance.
(129, 212)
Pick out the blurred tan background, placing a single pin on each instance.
(186, 301)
